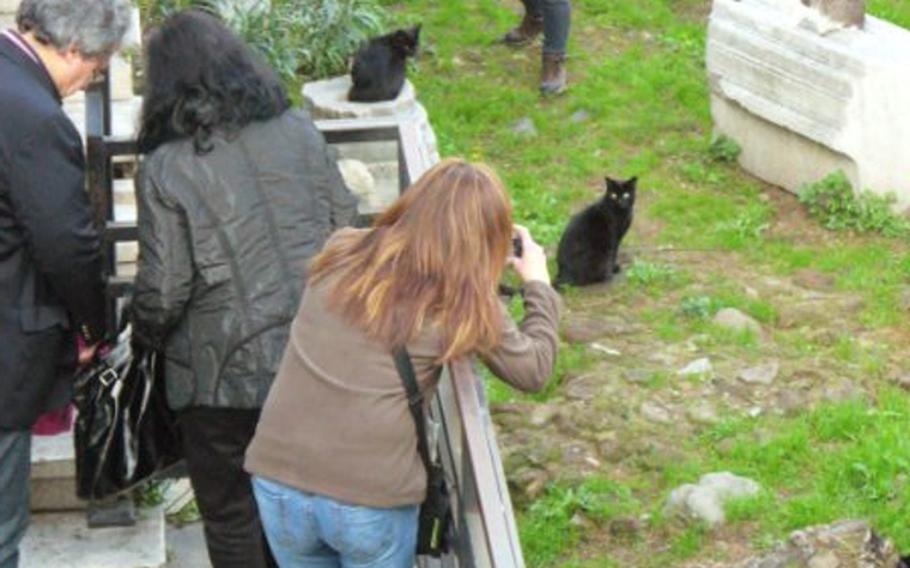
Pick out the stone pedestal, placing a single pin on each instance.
(8, 13)
(327, 99)
(803, 104)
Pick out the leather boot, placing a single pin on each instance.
(529, 28)
(553, 74)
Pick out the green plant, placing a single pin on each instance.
(547, 528)
(644, 273)
(833, 202)
(698, 307)
(301, 39)
(724, 149)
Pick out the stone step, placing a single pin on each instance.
(62, 540)
(186, 546)
(53, 476)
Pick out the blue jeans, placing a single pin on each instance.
(15, 464)
(556, 16)
(306, 530)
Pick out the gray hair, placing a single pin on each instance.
(93, 27)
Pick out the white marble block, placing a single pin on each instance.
(803, 103)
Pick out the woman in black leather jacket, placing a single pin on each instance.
(237, 192)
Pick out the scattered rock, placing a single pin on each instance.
(625, 528)
(904, 299)
(702, 412)
(705, 501)
(580, 521)
(530, 482)
(844, 544)
(791, 402)
(585, 387)
(525, 127)
(903, 381)
(813, 279)
(543, 414)
(580, 116)
(599, 347)
(577, 454)
(587, 329)
(697, 367)
(731, 318)
(762, 374)
(640, 376)
(842, 391)
(655, 412)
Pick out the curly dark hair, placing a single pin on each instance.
(200, 77)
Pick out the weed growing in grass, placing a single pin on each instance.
(724, 149)
(658, 277)
(834, 203)
(547, 529)
(699, 307)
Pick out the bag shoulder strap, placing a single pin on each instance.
(415, 401)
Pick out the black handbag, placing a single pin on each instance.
(435, 521)
(125, 432)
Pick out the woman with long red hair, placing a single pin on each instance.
(337, 474)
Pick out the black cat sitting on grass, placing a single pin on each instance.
(380, 66)
(588, 247)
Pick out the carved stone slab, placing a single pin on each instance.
(803, 104)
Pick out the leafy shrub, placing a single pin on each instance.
(301, 39)
(834, 203)
(649, 274)
(699, 307)
(724, 149)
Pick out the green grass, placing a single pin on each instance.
(637, 69)
(850, 459)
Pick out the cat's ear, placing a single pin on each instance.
(611, 184)
(407, 39)
(631, 182)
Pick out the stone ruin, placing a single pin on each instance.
(809, 87)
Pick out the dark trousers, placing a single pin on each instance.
(214, 442)
(556, 15)
(15, 464)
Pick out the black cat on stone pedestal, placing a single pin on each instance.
(380, 66)
(588, 247)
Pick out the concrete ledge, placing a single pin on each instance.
(62, 540)
(802, 104)
(53, 477)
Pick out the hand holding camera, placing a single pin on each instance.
(529, 260)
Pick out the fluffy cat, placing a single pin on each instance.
(379, 67)
(588, 247)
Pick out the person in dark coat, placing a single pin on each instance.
(237, 192)
(50, 268)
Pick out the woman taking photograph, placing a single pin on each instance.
(236, 194)
(337, 474)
